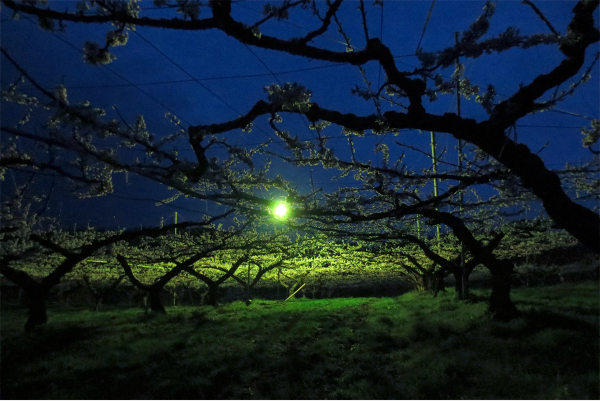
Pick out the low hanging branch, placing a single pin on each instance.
(213, 285)
(100, 295)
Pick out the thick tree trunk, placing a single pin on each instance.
(211, 296)
(501, 306)
(36, 292)
(579, 221)
(440, 285)
(461, 285)
(37, 311)
(249, 295)
(155, 304)
(430, 283)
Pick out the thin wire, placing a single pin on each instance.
(118, 75)
(381, 39)
(137, 86)
(199, 83)
(263, 63)
(252, 145)
(277, 79)
(425, 26)
(379, 75)
(570, 113)
(177, 81)
(187, 73)
(162, 203)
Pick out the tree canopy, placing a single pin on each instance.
(254, 162)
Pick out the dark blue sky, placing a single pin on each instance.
(151, 76)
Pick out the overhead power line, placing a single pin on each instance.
(425, 26)
(570, 113)
(277, 79)
(198, 82)
(252, 145)
(177, 81)
(187, 73)
(381, 39)
(117, 74)
(218, 78)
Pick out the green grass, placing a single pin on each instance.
(410, 347)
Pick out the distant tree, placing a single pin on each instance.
(427, 265)
(100, 293)
(384, 230)
(36, 254)
(260, 253)
(168, 256)
(212, 295)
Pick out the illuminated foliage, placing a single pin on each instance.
(389, 203)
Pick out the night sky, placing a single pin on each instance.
(205, 77)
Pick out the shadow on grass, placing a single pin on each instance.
(539, 320)
(578, 310)
(42, 342)
(544, 319)
(417, 349)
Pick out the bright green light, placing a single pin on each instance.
(280, 210)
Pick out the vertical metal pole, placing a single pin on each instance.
(418, 220)
(464, 278)
(460, 142)
(435, 181)
(312, 185)
(175, 223)
(248, 285)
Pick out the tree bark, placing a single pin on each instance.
(461, 284)
(430, 283)
(154, 297)
(37, 310)
(458, 288)
(440, 285)
(211, 296)
(248, 300)
(501, 306)
(579, 221)
(36, 292)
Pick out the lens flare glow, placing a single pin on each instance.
(280, 210)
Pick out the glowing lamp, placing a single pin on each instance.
(280, 210)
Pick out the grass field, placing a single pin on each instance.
(410, 347)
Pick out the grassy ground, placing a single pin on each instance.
(410, 347)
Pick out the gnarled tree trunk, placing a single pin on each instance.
(461, 284)
(501, 305)
(36, 292)
(154, 296)
(211, 296)
(37, 309)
